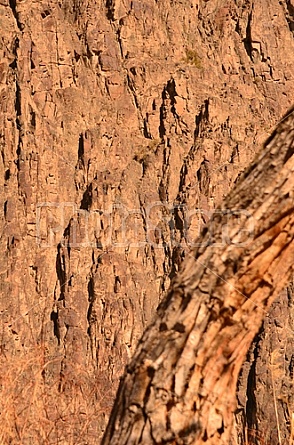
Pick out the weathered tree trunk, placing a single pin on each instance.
(180, 385)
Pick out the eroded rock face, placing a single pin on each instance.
(123, 124)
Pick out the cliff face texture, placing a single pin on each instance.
(123, 124)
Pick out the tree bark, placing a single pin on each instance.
(180, 385)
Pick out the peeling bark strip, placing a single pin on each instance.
(180, 385)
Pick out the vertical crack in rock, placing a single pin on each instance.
(61, 272)
(110, 5)
(119, 39)
(91, 315)
(162, 115)
(17, 100)
(248, 39)
(81, 151)
(171, 90)
(13, 7)
(87, 199)
(56, 331)
(18, 118)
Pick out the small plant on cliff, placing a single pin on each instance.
(192, 58)
(143, 153)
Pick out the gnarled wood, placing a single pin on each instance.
(180, 385)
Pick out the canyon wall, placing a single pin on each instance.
(123, 125)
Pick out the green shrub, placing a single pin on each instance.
(192, 58)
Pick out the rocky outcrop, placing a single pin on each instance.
(123, 124)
